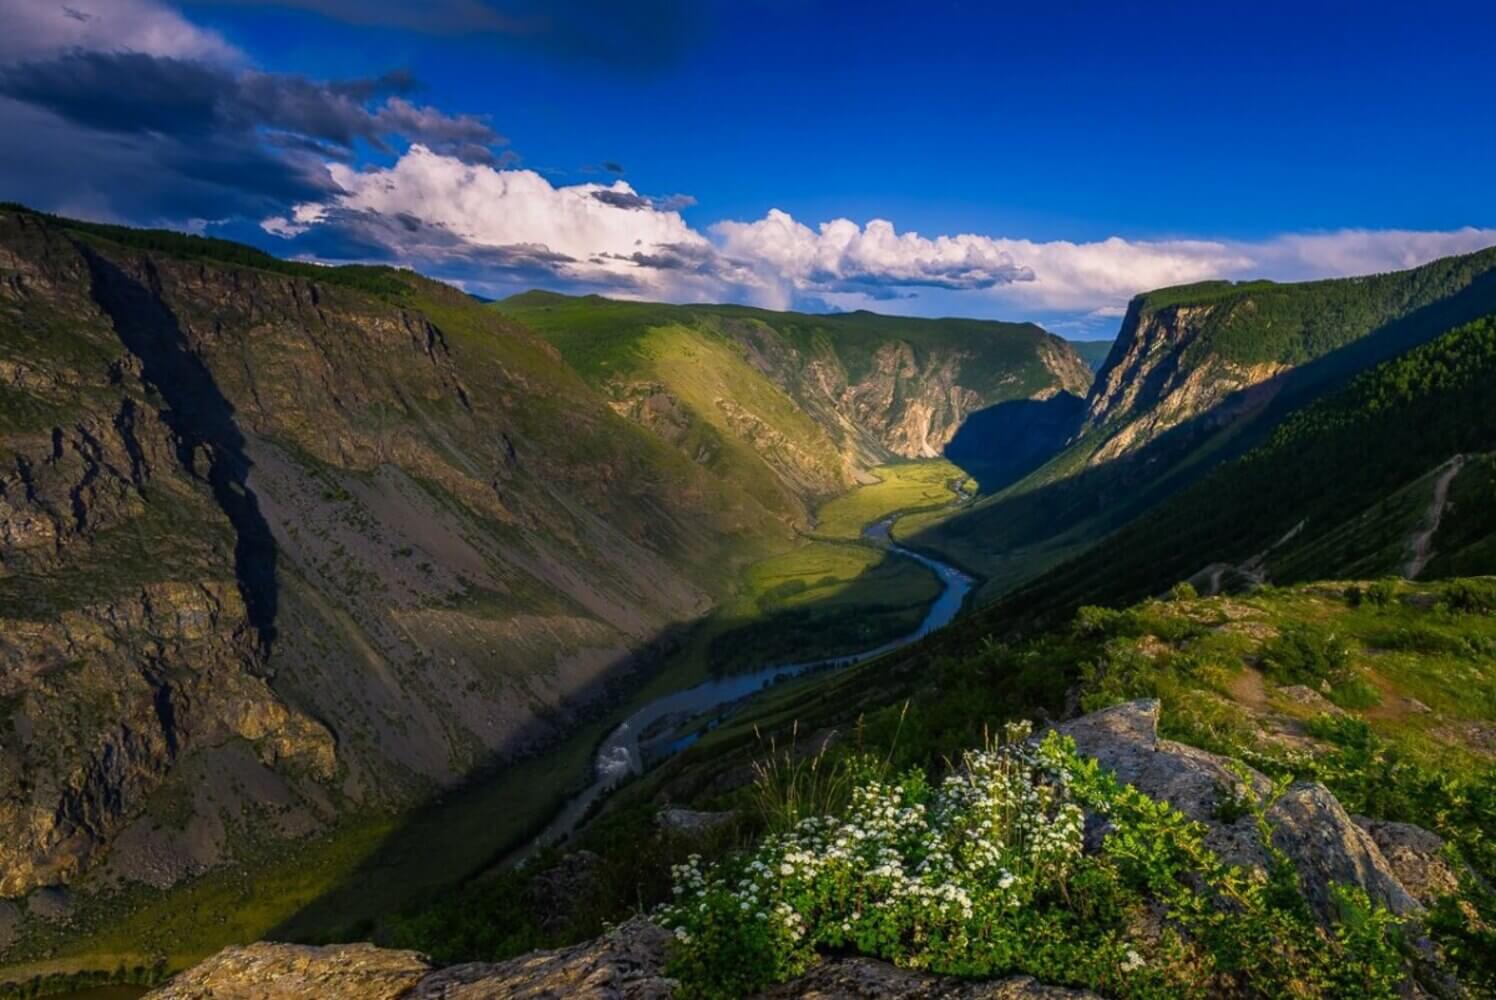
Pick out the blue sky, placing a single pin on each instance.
(1071, 154)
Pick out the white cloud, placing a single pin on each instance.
(1362, 251)
(598, 234)
(505, 207)
(465, 217)
(36, 28)
(842, 256)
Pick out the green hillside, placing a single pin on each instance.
(811, 400)
(1385, 693)
(1351, 477)
(1200, 375)
(1093, 352)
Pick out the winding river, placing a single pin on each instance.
(628, 749)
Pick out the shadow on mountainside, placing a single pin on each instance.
(999, 445)
(201, 418)
(455, 836)
(1097, 500)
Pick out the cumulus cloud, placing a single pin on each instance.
(841, 256)
(492, 227)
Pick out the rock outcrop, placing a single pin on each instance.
(626, 964)
(1396, 863)
(1155, 384)
(1309, 825)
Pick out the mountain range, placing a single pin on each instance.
(298, 563)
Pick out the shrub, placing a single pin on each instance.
(1304, 654)
(1092, 622)
(985, 874)
(1470, 597)
(1183, 591)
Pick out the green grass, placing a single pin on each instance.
(600, 337)
(900, 489)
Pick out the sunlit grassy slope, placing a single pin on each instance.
(905, 488)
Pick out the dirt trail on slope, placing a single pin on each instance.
(1419, 544)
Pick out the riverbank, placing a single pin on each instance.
(623, 754)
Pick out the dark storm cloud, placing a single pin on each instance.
(673, 202)
(953, 277)
(132, 92)
(148, 138)
(642, 36)
(695, 258)
(147, 178)
(359, 235)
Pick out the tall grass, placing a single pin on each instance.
(791, 784)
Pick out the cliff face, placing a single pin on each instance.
(1157, 377)
(299, 545)
(1185, 352)
(911, 407)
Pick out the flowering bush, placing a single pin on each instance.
(986, 874)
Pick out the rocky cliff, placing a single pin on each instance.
(1153, 380)
(274, 547)
(1223, 351)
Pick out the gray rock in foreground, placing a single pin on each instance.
(625, 964)
(1309, 825)
(628, 963)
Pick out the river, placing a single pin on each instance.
(626, 752)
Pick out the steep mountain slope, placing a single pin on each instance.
(287, 549)
(335, 537)
(1389, 475)
(1200, 374)
(816, 399)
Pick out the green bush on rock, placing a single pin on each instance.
(986, 874)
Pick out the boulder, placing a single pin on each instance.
(627, 963)
(266, 971)
(1327, 847)
(1310, 826)
(1416, 856)
(692, 822)
(624, 964)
